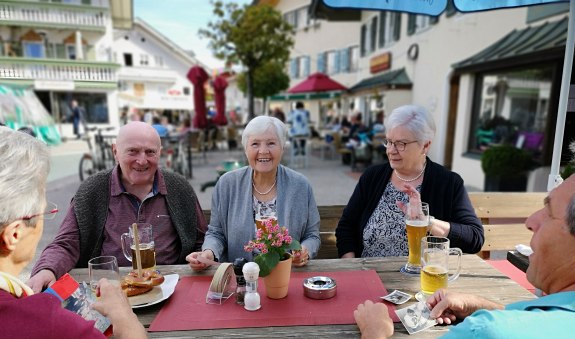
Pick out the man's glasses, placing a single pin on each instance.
(399, 145)
(48, 214)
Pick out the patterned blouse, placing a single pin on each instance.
(268, 207)
(385, 234)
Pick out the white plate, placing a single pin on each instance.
(157, 294)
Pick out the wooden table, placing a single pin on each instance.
(476, 277)
(518, 260)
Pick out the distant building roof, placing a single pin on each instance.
(392, 79)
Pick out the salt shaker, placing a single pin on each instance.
(241, 282)
(251, 272)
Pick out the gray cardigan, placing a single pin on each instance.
(232, 222)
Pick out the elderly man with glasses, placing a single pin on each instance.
(372, 224)
(24, 166)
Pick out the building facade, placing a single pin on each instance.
(485, 76)
(63, 50)
(153, 73)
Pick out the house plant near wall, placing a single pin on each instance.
(506, 168)
(274, 259)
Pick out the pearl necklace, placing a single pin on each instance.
(268, 191)
(410, 180)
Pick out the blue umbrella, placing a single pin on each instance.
(436, 7)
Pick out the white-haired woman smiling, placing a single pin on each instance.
(372, 224)
(264, 183)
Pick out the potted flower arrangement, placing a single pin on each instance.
(273, 244)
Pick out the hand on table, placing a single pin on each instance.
(41, 280)
(373, 320)
(446, 306)
(301, 257)
(113, 303)
(195, 264)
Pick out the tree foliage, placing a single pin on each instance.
(252, 36)
(269, 79)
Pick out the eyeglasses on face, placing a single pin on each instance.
(399, 145)
(48, 214)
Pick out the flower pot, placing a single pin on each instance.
(277, 282)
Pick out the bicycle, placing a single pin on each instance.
(98, 158)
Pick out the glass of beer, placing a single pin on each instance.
(147, 247)
(416, 222)
(435, 254)
(103, 267)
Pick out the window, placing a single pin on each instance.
(303, 66)
(144, 60)
(363, 39)
(186, 91)
(511, 107)
(33, 49)
(332, 62)
(159, 61)
(354, 58)
(298, 18)
(417, 23)
(389, 28)
(127, 59)
(372, 34)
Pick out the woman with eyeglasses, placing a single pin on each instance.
(372, 224)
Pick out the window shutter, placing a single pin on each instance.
(321, 62)
(433, 20)
(363, 36)
(293, 68)
(344, 60)
(411, 23)
(397, 27)
(373, 34)
(382, 28)
(306, 66)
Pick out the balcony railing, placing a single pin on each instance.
(58, 70)
(38, 14)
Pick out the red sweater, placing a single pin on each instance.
(41, 316)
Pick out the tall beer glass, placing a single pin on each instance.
(416, 222)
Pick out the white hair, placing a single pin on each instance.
(415, 118)
(24, 167)
(260, 125)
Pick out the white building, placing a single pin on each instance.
(466, 69)
(153, 76)
(64, 51)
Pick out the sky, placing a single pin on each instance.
(180, 20)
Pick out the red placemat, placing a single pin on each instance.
(187, 309)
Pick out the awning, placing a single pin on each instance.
(305, 96)
(393, 79)
(526, 46)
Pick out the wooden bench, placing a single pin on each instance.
(502, 215)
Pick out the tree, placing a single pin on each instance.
(268, 80)
(250, 35)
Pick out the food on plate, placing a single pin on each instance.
(134, 285)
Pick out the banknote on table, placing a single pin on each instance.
(415, 318)
(397, 297)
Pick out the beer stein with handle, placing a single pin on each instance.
(147, 246)
(435, 253)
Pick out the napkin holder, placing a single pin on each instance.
(222, 286)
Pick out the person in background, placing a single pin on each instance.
(550, 269)
(159, 127)
(106, 204)
(78, 117)
(299, 120)
(372, 223)
(265, 183)
(278, 113)
(24, 167)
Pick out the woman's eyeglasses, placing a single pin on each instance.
(48, 214)
(399, 145)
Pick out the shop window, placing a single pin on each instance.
(511, 107)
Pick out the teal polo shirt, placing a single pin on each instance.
(552, 316)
